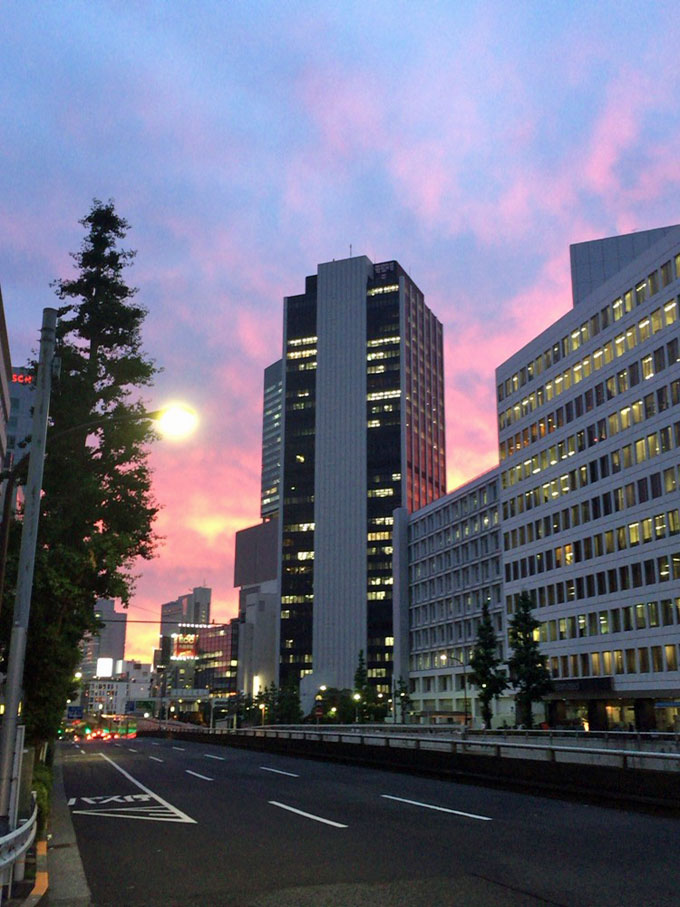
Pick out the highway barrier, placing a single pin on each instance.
(640, 776)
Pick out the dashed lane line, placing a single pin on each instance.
(278, 771)
(197, 775)
(305, 815)
(441, 809)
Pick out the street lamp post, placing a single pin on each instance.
(180, 422)
(357, 700)
(443, 657)
(29, 536)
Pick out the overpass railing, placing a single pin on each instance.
(521, 745)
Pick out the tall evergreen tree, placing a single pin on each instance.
(487, 674)
(97, 507)
(528, 671)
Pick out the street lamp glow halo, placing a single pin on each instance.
(176, 420)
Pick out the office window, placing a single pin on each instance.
(643, 660)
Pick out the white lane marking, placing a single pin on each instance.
(180, 748)
(154, 744)
(196, 775)
(441, 809)
(117, 744)
(278, 771)
(155, 759)
(82, 750)
(299, 812)
(208, 756)
(180, 816)
(132, 749)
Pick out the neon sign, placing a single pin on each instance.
(21, 379)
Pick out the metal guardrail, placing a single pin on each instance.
(17, 842)
(471, 745)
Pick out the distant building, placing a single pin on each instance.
(256, 573)
(363, 434)
(448, 564)
(271, 440)
(203, 656)
(109, 642)
(20, 424)
(5, 385)
(118, 688)
(191, 608)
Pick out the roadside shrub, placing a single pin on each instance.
(42, 785)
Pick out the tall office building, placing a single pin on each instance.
(271, 440)
(363, 434)
(191, 608)
(589, 439)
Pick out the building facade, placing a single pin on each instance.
(256, 567)
(363, 434)
(192, 608)
(109, 642)
(271, 440)
(6, 374)
(589, 436)
(452, 567)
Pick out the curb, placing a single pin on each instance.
(41, 875)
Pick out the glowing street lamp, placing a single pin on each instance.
(175, 421)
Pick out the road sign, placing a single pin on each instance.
(74, 711)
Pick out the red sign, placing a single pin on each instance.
(21, 379)
(184, 645)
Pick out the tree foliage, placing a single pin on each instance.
(487, 674)
(528, 671)
(97, 507)
(281, 704)
(403, 700)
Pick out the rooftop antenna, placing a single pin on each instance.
(350, 250)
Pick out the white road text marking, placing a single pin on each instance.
(147, 806)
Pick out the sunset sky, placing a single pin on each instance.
(247, 142)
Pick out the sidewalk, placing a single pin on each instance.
(67, 885)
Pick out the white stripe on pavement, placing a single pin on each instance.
(441, 809)
(278, 771)
(299, 812)
(155, 758)
(180, 748)
(208, 756)
(196, 775)
(132, 749)
(178, 812)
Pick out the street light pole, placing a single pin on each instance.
(29, 536)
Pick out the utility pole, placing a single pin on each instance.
(29, 537)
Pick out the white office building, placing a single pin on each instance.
(453, 568)
(589, 436)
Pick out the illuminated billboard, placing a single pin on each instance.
(184, 646)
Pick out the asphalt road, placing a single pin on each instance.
(169, 823)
